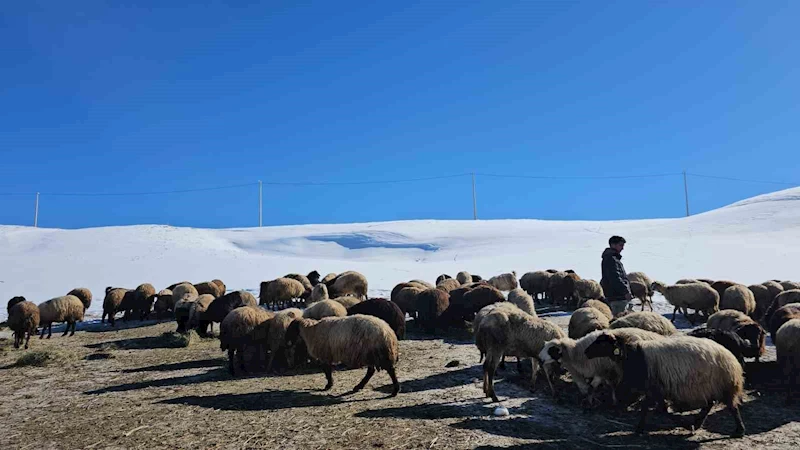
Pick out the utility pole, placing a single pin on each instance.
(36, 212)
(474, 200)
(686, 192)
(260, 203)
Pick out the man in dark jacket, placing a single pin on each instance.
(615, 284)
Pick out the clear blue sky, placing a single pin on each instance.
(101, 98)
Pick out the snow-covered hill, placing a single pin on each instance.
(750, 241)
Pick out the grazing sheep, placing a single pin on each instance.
(172, 287)
(698, 296)
(740, 298)
(744, 327)
(511, 332)
(313, 277)
(401, 286)
(84, 295)
(463, 277)
(328, 278)
(349, 283)
(23, 319)
(536, 283)
(642, 292)
(763, 299)
(210, 288)
(67, 309)
(112, 303)
(181, 310)
(307, 286)
(222, 288)
(787, 344)
(586, 289)
(325, 308)
(318, 293)
(523, 301)
(646, 320)
(728, 339)
(406, 297)
(384, 310)
(355, 341)
(14, 301)
(144, 296)
(347, 301)
(431, 304)
(721, 285)
(277, 293)
(272, 333)
(197, 310)
(790, 285)
(164, 302)
(600, 306)
(184, 290)
(782, 315)
(570, 354)
(455, 314)
(562, 288)
(774, 288)
(423, 283)
(448, 285)
(504, 281)
(442, 277)
(235, 331)
(217, 310)
(585, 320)
(782, 299)
(691, 372)
(478, 298)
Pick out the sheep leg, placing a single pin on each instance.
(328, 375)
(28, 340)
(16, 340)
(534, 372)
(74, 325)
(231, 356)
(271, 360)
(395, 383)
(674, 313)
(490, 383)
(44, 327)
(365, 380)
(548, 376)
(50, 331)
(66, 330)
(701, 418)
(643, 415)
(737, 416)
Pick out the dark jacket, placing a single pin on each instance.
(615, 279)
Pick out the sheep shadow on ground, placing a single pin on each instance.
(451, 336)
(166, 340)
(212, 375)
(427, 411)
(271, 400)
(166, 367)
(96, 326)
(442, 380)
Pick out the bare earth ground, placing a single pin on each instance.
(128, 389)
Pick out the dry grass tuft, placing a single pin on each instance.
(41, 358)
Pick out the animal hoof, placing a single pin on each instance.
(738, 433)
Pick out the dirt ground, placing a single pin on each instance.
(128, 388)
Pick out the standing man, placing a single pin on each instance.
(615, 284)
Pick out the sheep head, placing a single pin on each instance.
(658, 287)
(606, 345)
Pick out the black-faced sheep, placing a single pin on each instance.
(511, 332)
(235, 331)
(600, 306)
(586, 320)
(164, 303)
(112, 303)
(325, 308)
(504, 281)
(442, 277)
(384, 310)
(740, 298)
(84, 295)
(210, 288)
(23, 319)
(355, 341)
(280, 292)
(523, 301)
(745, 327)
(787, 345)
(349, 283)
(698, 296)
(692, 373)
(67, 309)
(431, 304)
(782, 315)
(646, 320)
(313, 277)
(463, 277)
(217, 310)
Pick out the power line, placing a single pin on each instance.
(742, 179)
(579, 177)
(116, 194)
(349, 183)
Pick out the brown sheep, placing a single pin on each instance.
(431, 303)
(84, 295)
(222, 288)
(210, 288)
(23, 319)
(349, 283)
(448, 285)
(278, 293)
(112, 303)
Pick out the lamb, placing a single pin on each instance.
(512, 332)
(728, 339)
(272, 333)
(84, 295)
(762, 297)
(536, 283)
(164, 302)
(600, 306)
(691, 372)
(744, 327)
(23, 319)
(431, 304)
(646, 320)
(356, 341)
(642, 292)
(318, 293)
(698, 296)
(210, 288)
(740, 298)
(448, 285)
(307, 286)
(782, 315)
(277, 293)
(384, 310)
(217, 310)
(570, 353)
(112, 303)
(349, 283)
(328, 278)
(222, 288)
(442, 277)
(721, 285)
(347, 301)
(67, 309)
(463, 277)
(235, 330)
(198, 309)
(325, 308)
(522, 300)
(406, 297)
(782, 299)
(504, 281)
(313, 278)
(787, 344)
(585, 320)
(590, 290)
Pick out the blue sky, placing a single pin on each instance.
(102, 98)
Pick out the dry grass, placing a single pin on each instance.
(143, 388)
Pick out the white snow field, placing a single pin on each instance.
(750, 241)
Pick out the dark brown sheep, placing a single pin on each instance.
(431, 303)
(383, 309)
(781, 316)
(313, 277)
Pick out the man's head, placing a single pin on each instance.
(617, 243)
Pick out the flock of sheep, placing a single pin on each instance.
(637, 353)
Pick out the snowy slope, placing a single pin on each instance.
(750, 241)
